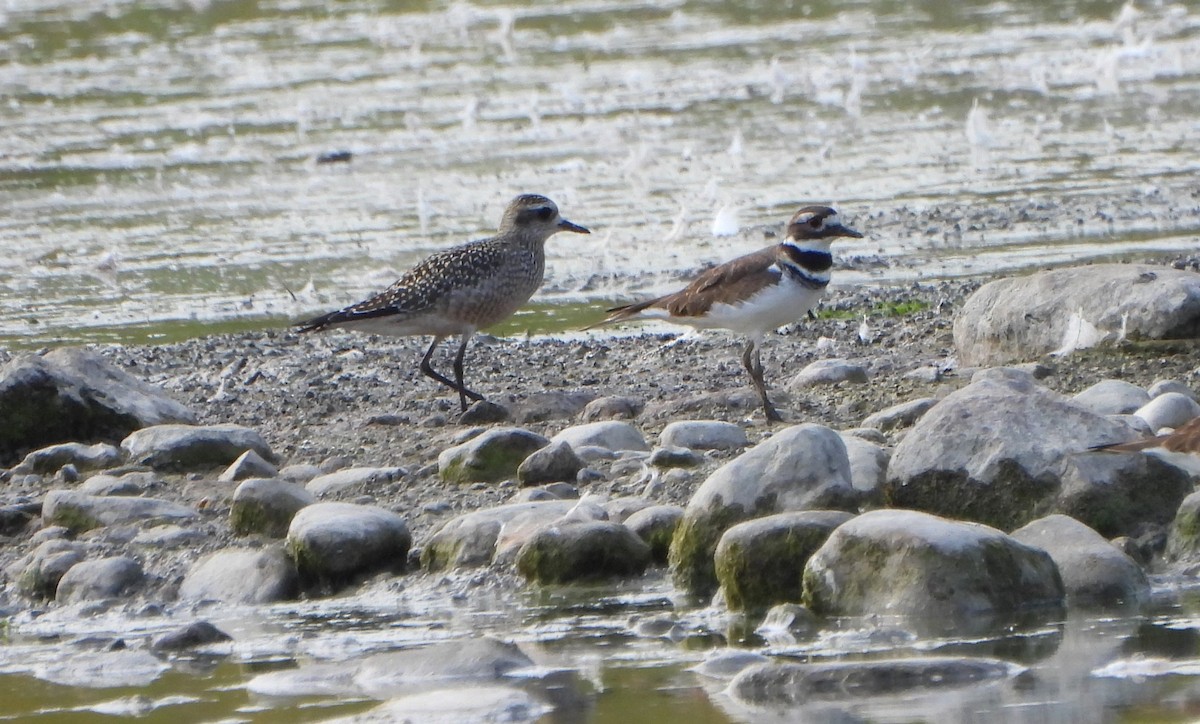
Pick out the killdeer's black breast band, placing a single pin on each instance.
(810, 259)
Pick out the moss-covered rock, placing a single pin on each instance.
(760, 562)
(266, 506)
(1183, 542)
(656, 525)
(937, 572)
(79, 511)
(334, 543)
(582, 551)
(38, 573)
(470, 540)
(804, 467)
(489, 457)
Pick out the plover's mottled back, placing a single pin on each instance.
(463, 289)
(756, 293)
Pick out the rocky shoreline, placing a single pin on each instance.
(606, 454)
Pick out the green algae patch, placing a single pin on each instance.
(586, 551)
(1183, 542)
(489, 458)
(695, 543)
(252, 517)
(760, 563)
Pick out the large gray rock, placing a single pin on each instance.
(555, 463)
(489, 457)
(83, 457)
(610, 434)
(761, 562)
(995, 451)
(1094, 571)
(80, 511)
(803, 467)
(72, 394)
(365, 478)
(1023, 318)
(114, 577)
(192, 447)
(934, 571)
(582, 551)
(242, 575)
(470, 540)
(827, 372)
(703, 435)
(1170, 409)
(333, 543)
(1112, 397)
(266, 506)
(1118, 493)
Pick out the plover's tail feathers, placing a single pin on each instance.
(628, 312)
(343, 316)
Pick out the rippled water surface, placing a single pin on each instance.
(160, 175)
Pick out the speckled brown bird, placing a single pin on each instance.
(1180, 448)
(462, 289)
(755, 293)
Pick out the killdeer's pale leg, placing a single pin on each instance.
(755, 293)
(462, 289)
(752, 361)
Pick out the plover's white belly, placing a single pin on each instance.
(769, 309)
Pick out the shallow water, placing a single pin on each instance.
(159, 160)
(592, 660)
(158, 165)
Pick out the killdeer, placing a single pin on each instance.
(755, 293)
(1180, 448)
(462, 289)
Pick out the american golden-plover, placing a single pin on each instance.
(462, 289)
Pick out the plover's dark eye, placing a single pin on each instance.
(545, 213)
(815, 222)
